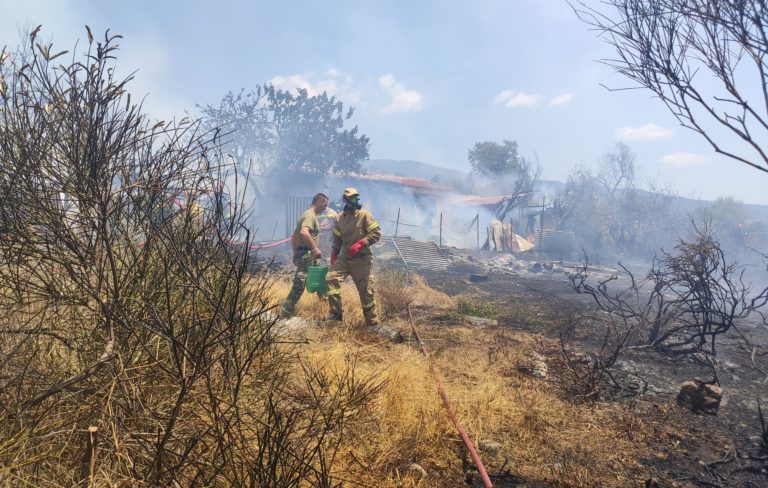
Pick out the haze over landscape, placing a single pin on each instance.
(427, 79)
(388, 244)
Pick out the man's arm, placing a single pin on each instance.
(372, 235)
(307, 237)
(374, 231)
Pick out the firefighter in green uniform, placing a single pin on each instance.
(306, 251)
(356, 230)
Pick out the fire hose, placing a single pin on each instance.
(262, 246)
(449, 408)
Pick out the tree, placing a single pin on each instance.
(727, 217)
(494, 159)
(705, 60)
(725, 213)
(275, 130)
(523, 183)
(608, 206)
(618, 169)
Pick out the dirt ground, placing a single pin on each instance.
(692, 449)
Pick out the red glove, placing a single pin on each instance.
(334, 256)
(355, 248)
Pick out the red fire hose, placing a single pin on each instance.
(263, 246)
(449, 408)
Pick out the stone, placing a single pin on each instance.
(389, 333)
(463, 266)
(481, 322)
(416, 470)
(535, 267)
(489, 446)
(700, 397)
(293, 325)
(478, 278)
(535, 365)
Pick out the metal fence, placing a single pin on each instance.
(294, 207)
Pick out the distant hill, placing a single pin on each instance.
(752, 212)
(459, 179)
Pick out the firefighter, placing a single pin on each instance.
(327, 221)
(306, 251)
(356, 230)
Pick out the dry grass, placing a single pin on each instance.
(395, 290)
(544, 437)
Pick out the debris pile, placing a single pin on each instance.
(505, 264)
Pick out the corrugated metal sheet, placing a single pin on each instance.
(555, 241)
(415, 254)
(294, 207)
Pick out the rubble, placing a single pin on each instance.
(480, 266)
(535, 365)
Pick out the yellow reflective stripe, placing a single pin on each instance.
(368, 305)
(374, 225)
(334, 292)
(336, 232)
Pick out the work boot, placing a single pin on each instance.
(287, 309)
(332, 320)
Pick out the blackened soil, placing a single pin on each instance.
(694, 449)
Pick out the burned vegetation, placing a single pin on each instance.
(135, 346)
(690, 297)
(139, 344)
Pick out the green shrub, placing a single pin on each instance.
(478, 308)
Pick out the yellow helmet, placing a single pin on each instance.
(350, 192)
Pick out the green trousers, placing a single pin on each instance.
(303, 261)
(359, 268)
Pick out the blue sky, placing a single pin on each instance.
(428, 78)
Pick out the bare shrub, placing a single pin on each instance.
(129, 325)
(396, 289)
(595, 375)
(392, 287)
(690, 296)
(300, 427)
(670, 46)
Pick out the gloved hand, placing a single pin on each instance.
(317, 253)
(334, 256)
(355, 248)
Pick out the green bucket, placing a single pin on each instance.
(316, 279)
